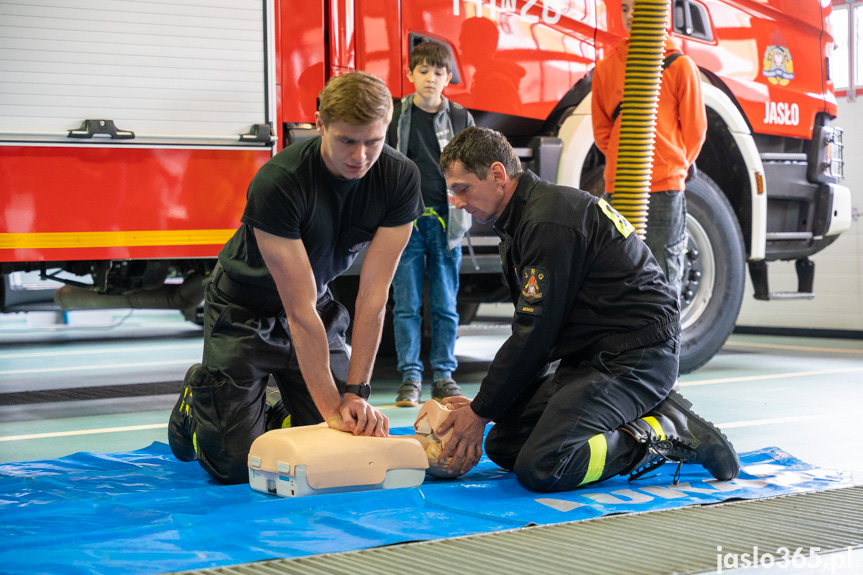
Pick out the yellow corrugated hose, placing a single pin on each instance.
(638, 112)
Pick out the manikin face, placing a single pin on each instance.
(483, 199)
(429, 81)
(627, 7)
(350, 151)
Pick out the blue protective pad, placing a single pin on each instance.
(145, 512)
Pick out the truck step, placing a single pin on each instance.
(791, 295)
(805, 280)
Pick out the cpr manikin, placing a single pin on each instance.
(317, 459)
(430, 417)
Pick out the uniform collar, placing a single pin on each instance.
(512, 213)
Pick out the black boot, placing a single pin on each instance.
(673, 432)
(276, 415)
(180, 435)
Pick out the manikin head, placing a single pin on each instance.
(431, 416)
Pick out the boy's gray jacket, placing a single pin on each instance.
(459, 221)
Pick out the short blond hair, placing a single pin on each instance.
(356, 98)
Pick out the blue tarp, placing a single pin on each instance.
(145, 512)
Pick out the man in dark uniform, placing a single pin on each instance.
(588, 292)
(310, 211)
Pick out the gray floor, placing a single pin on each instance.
(800, 394)
(105, 382)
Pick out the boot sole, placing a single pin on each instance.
(685, 406)
(407, 403)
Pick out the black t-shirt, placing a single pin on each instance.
(424, 149)
(294, 196)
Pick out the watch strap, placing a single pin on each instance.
(364, 390)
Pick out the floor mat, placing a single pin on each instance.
(144, 512)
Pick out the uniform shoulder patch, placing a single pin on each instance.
(621, 223)
(533, 285)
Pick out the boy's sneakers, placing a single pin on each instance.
(445, 388)
(409, 394)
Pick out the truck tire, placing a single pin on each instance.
(713, 276)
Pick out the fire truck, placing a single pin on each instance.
(129, 132)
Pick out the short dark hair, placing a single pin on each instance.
(432, 54)
(477, 149)
(356, 98)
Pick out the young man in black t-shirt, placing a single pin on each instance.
(268, 311)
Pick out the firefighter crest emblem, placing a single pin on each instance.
(777, 65)
(534, 280)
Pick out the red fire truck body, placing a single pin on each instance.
(129, 133)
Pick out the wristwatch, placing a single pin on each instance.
(364, 390)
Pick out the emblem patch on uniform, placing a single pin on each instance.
(358, 247)
(533, 281)
(621, 223)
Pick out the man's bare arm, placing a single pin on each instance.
(289, 265)
(376, 275)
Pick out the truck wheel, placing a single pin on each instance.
(713, 275)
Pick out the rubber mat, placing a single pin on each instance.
(87, 393)
(144, 512)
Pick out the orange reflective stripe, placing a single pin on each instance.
(112, 239)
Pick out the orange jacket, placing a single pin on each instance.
(681, 120)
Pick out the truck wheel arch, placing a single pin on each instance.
(722, 106)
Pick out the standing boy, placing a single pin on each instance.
(426, 123)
